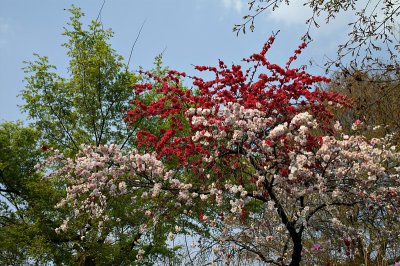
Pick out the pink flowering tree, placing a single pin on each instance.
(252, 161)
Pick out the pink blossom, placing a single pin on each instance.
(316, 247)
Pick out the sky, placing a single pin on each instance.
(190, 32)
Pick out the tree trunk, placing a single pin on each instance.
(290, 226)
(297, 248)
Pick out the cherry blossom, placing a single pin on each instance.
(253, 155)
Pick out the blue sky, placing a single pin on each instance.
(192, 32)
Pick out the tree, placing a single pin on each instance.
(27, 216)
(253, 156)
(374, 29)
(88, 107)
(374, 98)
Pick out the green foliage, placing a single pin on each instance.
(88, 106)
(27, 216)
(18, 155)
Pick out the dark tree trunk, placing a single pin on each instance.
(89, 261)
(290, 226)
(297, 248)
(86, 260)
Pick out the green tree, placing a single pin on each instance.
(27, 215)
(87, 107)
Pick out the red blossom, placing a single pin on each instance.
(267, 87)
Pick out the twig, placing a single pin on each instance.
(137, 37)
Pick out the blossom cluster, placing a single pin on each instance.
(256, 157)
